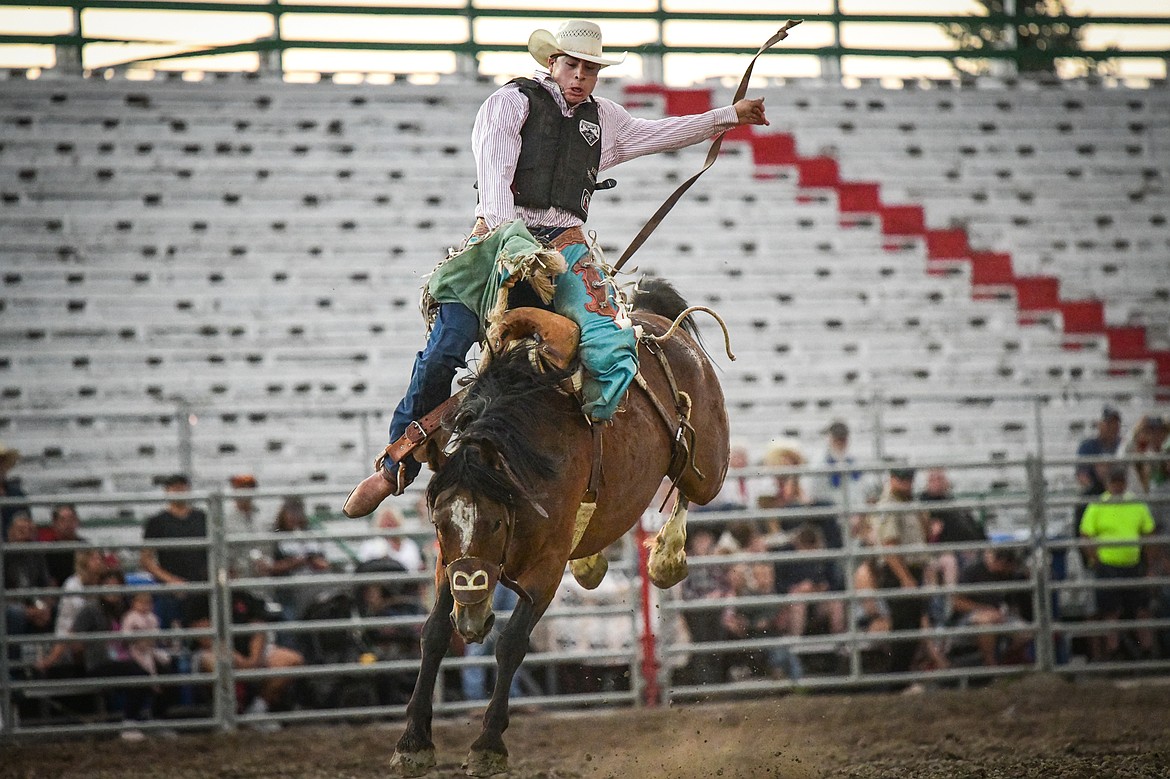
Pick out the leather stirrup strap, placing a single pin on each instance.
(418, 431)
(712, 154)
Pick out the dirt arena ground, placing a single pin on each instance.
(1035, 727)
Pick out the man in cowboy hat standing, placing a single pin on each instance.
(539, 146)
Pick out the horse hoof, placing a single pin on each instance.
(412, 763)
(667, 573)
(589, 571)
(485, 763)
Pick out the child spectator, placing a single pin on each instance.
(141, 618)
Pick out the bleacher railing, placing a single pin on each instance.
(1045, 540)
(469, 43)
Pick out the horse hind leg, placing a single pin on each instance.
(668, 555)
(589, 571)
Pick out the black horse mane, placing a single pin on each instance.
(496, 455)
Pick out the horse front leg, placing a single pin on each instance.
(488, 754)
(414, 754)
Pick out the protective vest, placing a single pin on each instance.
(559, 155)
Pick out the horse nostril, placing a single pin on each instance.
(487, 625)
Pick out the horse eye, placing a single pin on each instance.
(498, 525)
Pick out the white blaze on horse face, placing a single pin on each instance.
(463, 515)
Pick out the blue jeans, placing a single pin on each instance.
(455, 331)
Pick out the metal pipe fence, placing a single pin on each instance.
(1050, 633)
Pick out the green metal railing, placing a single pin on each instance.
(71, 46)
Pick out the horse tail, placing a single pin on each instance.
(658, 296)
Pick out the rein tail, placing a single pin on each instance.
(657, 339)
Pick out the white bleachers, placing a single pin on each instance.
(251, 253)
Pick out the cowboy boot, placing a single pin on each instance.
(389, 478)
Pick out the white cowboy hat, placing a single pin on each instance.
(576, 38)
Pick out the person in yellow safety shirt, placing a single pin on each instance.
(1118, 516)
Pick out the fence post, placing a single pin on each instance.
(183, 419)
(467, 64)
(220, 606)
(649, 650)
(852, 605)
(1042, 604)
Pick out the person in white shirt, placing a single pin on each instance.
(539, 146)
(400, 548)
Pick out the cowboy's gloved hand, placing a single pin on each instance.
(751, 111)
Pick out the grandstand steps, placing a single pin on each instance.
(250, 253)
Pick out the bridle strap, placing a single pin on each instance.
(712, 154)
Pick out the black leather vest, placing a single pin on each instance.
(559, 155)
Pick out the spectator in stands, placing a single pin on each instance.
(109, 659)
(89, 567)
(739, 492)
(146, 652)
(1091, 476)
(1010, 609)
(176, 566)
(26, 570)
(240, 519)
(703, 582)
(405, 550)
(831, 486)
(903, 570)
(1148, 437)
(10, 488)
(64, 527)
(744, 621)
(947, 526)
(806, 577)
(790, 495)
(516, 145)
(252, 650)
(872, 615)
(1118, 516)
(295, 556)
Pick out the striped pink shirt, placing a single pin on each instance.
(495, 141)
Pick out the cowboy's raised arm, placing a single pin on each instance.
(495, 141)
(634, 137)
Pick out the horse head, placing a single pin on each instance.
(475, 520)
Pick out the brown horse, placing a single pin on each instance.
(506, 501)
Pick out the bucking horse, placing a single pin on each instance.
(524, 484)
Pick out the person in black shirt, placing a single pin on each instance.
(996, 566)
(177, 566)
(26, 570)
(251, 650)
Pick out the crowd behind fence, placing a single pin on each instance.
(1019, 599)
